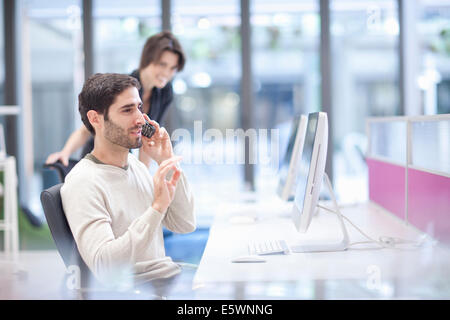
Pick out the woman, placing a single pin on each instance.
(162, 56)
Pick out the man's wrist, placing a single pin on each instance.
(158, 208)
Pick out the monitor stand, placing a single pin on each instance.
(326, 247)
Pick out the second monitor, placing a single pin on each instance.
(289, 166)
(310, 175)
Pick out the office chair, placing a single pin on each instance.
(61, 233)
(61, 169)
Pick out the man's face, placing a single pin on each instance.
(162, 71)
(125, 120)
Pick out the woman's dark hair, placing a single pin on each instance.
(99, 92)
(157, 44)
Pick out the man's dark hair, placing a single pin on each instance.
(99, 92)
(155, 47)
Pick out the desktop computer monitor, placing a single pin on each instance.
(310, 170)
(311, 173)
(288, 169)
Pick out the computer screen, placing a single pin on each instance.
(311, 174)
(288, 169)
(310, 170)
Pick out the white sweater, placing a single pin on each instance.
(116, 229)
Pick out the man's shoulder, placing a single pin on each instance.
(83, 167)
(83, 174)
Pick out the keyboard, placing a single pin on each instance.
(268, 247)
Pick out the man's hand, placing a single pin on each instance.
(58, 156)
(164, 190)
(159, 146)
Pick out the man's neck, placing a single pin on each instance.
(110, 154)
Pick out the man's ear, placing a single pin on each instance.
(95, 119)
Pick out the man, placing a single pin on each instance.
(161, 58)
(114, 207)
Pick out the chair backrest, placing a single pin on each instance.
(60, 230)
(62, 169)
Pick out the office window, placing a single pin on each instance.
(365, 83)
(52, 51)
(286, 68)
(286, 60)
(208, 93)
(434, 59)
(120, 31)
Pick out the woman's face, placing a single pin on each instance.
(161, 72)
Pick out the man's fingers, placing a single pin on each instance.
(52, 158)
(175, 177)
(49, 160)
(55, 157)
(154, 123)
(162, 132)
(169, 161)
(166, 165)
(164, 171)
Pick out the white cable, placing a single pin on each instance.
(384, 242)
(362, 232)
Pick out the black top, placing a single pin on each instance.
(160, 100)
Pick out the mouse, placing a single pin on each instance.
(242, 220)
(248, 258)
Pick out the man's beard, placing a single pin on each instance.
(117, 135)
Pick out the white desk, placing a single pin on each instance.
(351, 274)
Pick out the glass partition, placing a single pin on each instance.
(388, 141)
(430, 145)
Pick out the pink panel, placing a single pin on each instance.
(429, 203)
(387, 186)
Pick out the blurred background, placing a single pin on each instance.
(250, 64)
